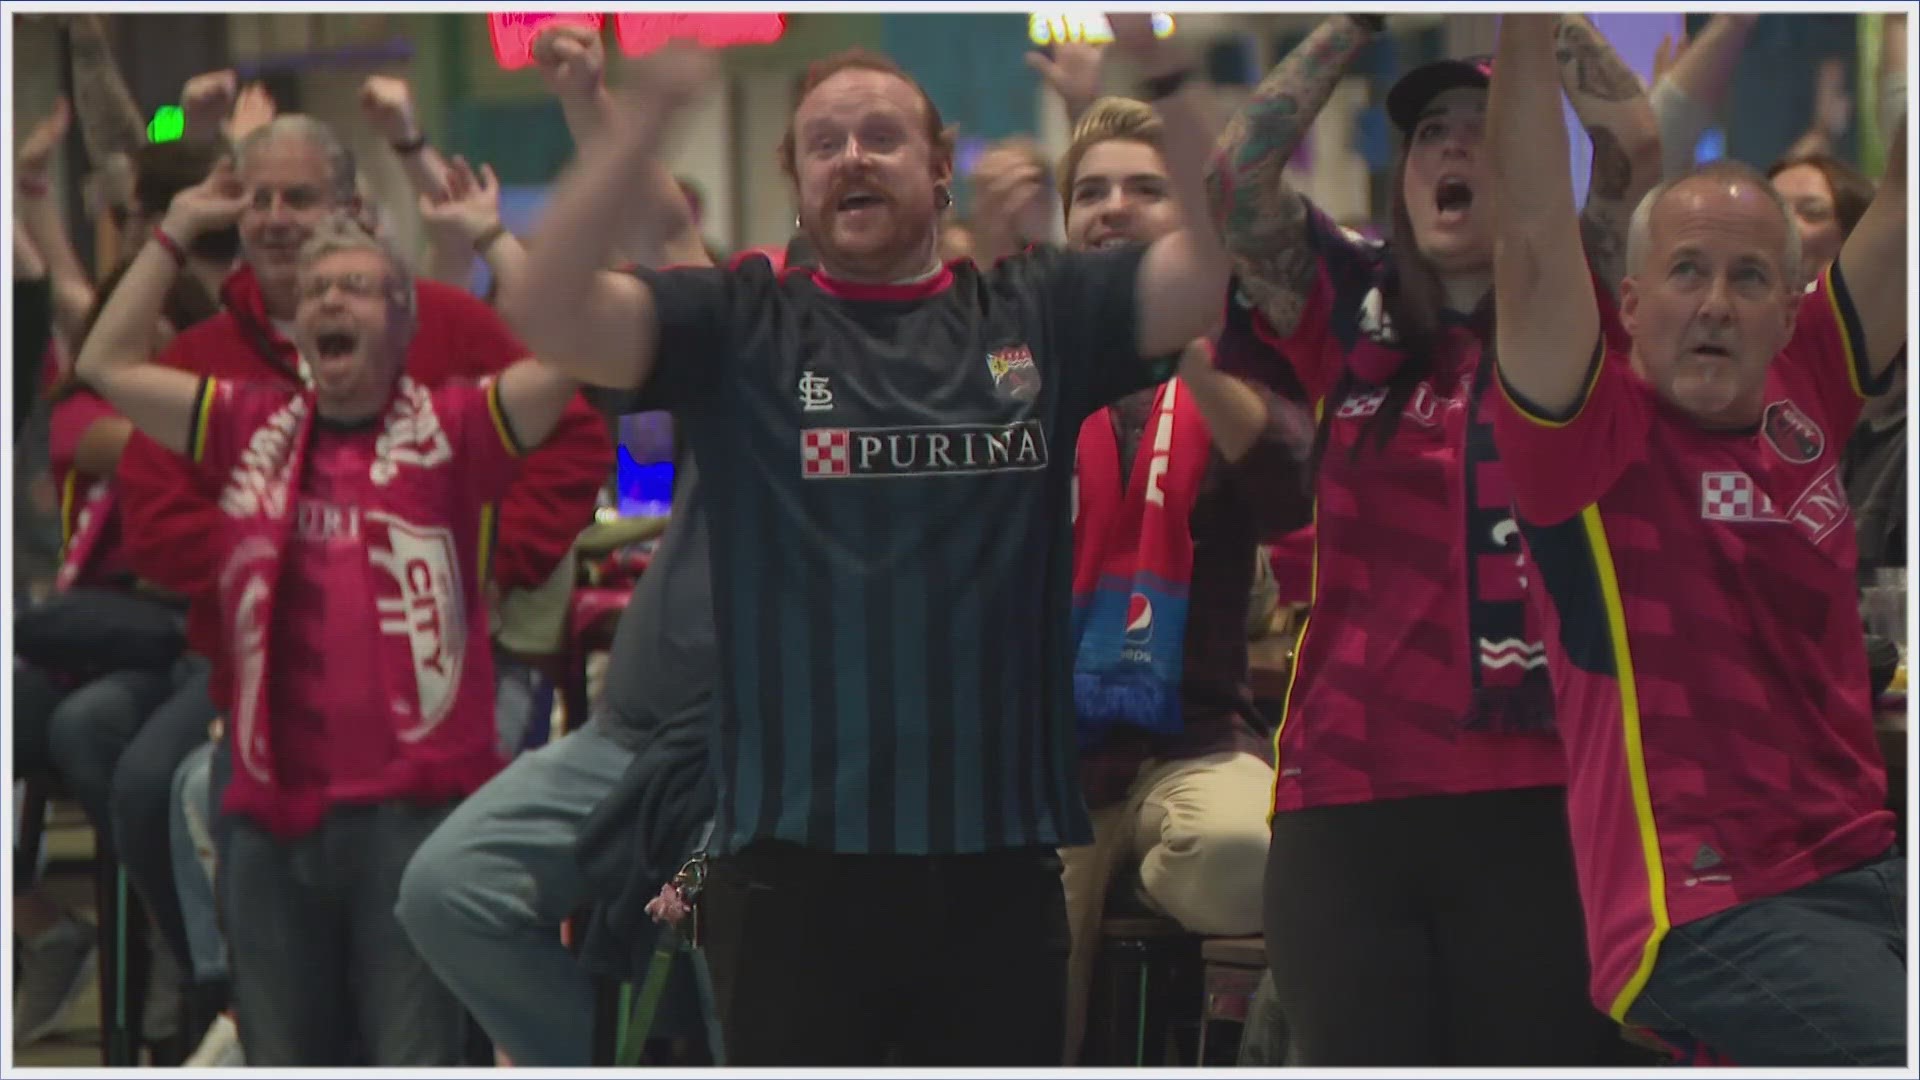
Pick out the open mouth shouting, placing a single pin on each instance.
(1453, 199)
(859, 202)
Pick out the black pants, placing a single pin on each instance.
(864, 960)
(1433, 932)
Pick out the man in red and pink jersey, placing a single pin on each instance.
(351, 541)
(1681, 497)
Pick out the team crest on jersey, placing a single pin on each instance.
(1792, 434)
(1014, 373)
(947, 450)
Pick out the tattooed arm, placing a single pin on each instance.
(109, 120)
(1613, 108)
(1549, 321)
(1264, 221)
(1689, 95)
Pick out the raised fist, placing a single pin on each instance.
(1011, 193)
(387, 103)
(572, 58)
(207, 100)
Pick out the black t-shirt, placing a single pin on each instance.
(661, 666)
(887, 471)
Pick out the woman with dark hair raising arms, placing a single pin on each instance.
(1420, 899)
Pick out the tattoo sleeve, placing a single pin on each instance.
(109, 120)
(1619, 120)
(1262, 220)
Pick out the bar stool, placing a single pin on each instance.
(1230, 972)
(1147, 967)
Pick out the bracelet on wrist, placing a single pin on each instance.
(410, 146)
(1156, 87)
(170, 245)
(34, 187)
(488, 238)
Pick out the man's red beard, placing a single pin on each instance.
(891, 245)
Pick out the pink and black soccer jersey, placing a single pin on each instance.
(887, 472)
(1383, 677)
(1705, 641)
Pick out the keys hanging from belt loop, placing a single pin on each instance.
(678, 904)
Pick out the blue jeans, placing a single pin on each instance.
(194, 864)
(485, 896)
(317, 956)
(1812, 977)
(519, 696)
(122, 770)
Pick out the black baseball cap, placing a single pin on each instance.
(1417, 88)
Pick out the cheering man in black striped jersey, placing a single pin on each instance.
(887, 450)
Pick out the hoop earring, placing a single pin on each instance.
(942, 197)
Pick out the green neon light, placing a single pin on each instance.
(168, 124)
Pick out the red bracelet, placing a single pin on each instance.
(35, 187)
(171, 245)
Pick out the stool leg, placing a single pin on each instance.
(33, 829)
(120, 1049)
(1140, 1032)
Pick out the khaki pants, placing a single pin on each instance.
(1197, 829)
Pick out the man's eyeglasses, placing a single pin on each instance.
(358, 286)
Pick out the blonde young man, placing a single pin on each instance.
(1174, 487)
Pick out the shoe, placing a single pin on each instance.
(54, 968)
(160, 1018)
(220, 1049)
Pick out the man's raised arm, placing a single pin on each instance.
(1873, 262)
(117, 359)
(598, 326)
(1549, 321)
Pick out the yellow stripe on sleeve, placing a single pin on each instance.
(202, 410)
(499, 416)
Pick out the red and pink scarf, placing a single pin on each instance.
(440, 667)
(1132, 563)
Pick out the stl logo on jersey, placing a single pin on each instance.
(1014, 372)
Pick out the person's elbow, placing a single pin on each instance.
(94, 362)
